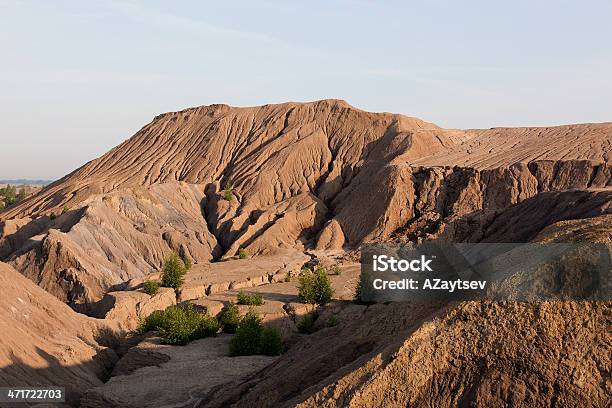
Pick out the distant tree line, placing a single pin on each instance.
(9, 195)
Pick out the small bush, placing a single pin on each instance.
(306, 325)
(253, 338)
(65, 209)
(52, 216)
(270, 344)
(151, 287)
(287, 277)
(331, 321)
(209, 326)
(174, 272)
(152, 322)
(182, 324)
(230, 318)
(247, 339)
(254, 299)
(179, 325)
(315, 287)
(242, 253)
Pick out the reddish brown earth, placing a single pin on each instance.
(313, 181)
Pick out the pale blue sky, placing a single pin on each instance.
(79, 77)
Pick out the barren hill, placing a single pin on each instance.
(208, 180)
(290, 183)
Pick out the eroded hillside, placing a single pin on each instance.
(209, 180)
(294, 184)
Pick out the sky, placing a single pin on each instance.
(79, 77)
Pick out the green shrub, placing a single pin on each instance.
(247, 339)
(182, 324)
(242, 253)
(174, 272)
(306, 325)
(230, 318)
(331, 321)
(253, 338)
(254, 299)
(65, 209)
(52, 216)
(315, 287)
(270, 344)
(287, 277)
(151, 287)
(152, 322)
(179, 324)
(209, 326)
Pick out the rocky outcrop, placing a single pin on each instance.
(110, 239)
(459, 203)
(125, 309)
(207, 279)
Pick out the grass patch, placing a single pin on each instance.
(242, 253)
(306, 325)
(254, 299)
(228, 192)
(151, 287)
(331, 321)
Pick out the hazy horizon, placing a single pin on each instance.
(78, 78)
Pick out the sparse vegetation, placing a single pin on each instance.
(271, 343)
(331, 321)
(315, 287)
(174, 272)
(9, 196)
(335, 270)
(187, 262)
(150, 287)
(228, 192)
(252, 338)
(242, 253)
(359, 289)
(254, 299)
(306, 325)
(152, 322)
(230, 318)
(179, 325)
(287, 277)
(65, 209)
(247, 339)
(52, 216)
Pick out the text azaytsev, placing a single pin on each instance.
(429, 284)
